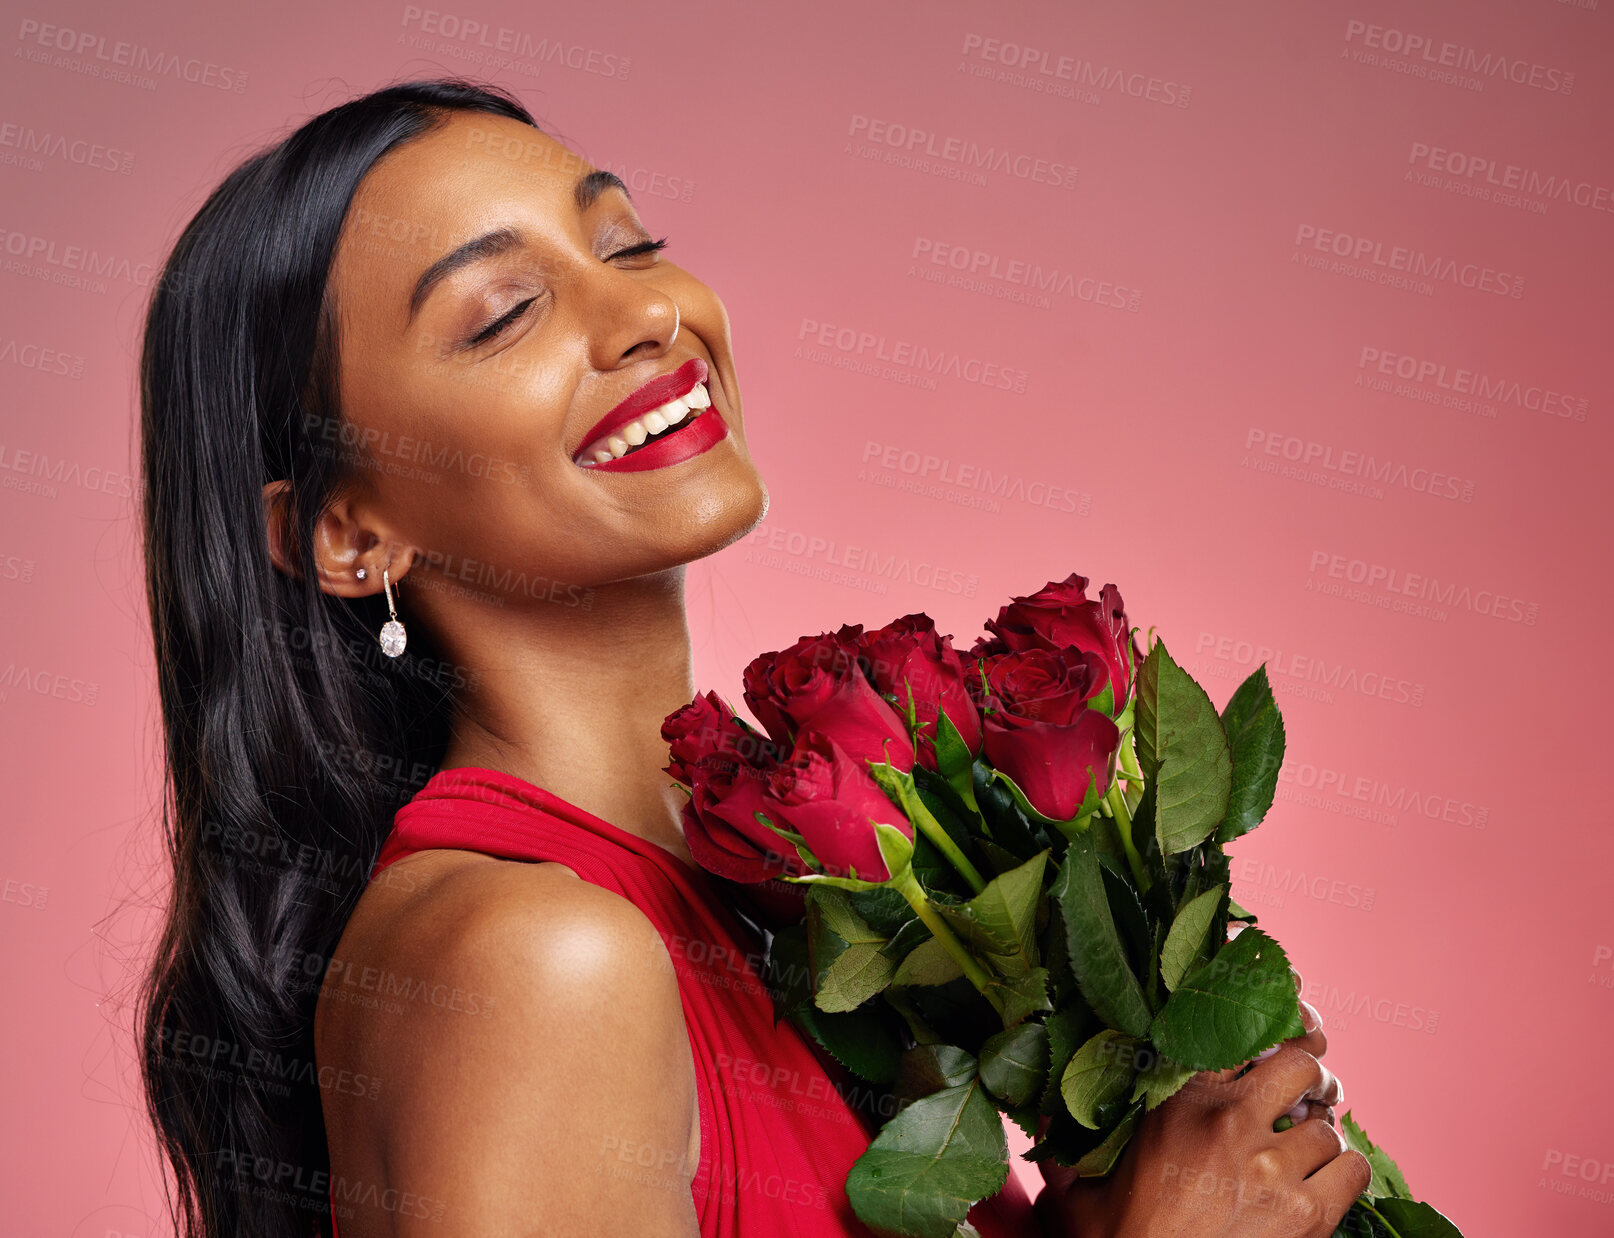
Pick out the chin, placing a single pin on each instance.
(724, 518)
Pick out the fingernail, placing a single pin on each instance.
(1310, 1019)
(1298, 1113)
(1265, 1054)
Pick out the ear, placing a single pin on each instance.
(344, 543)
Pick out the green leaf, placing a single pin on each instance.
(1020, 997)
(790, 976)
(866, 1041)
(954, 761)
(999, 924)
(1187, 936)
(930, 1068)
(1014, 1062)
(1130, 922)
(1229, 1008)
(1388, 1181)
(1254, 729)
(1101, 1160)
(1100, 1071)
(1162, 1079)
(1103, 975)
(1408, 1219)
(850, 963)
(1183, 752)
(1235, 912)
(930, 1164)
(930, 962)
(1068, 1029)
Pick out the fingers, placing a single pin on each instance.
(1278, 1084)
(1337, 1184)
(1308, 1146)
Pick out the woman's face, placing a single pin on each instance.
(497, 304)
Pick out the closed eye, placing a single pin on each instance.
(643, 247)
(501, 324)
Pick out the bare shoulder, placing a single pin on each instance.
(528, 1039)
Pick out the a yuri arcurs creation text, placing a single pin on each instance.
(1013, 888)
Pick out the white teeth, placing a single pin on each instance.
(634, 434)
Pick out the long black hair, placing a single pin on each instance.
(290, 739)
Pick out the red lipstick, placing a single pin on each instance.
(653, 394)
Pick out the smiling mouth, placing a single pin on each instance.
(662, 422)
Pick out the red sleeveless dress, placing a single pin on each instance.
(776, 1138)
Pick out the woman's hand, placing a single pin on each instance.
(1207, 1163)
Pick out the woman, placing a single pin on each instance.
(419, 371)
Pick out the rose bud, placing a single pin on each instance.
(908, 660)
(1041, 731)
(818, 683)
(826, 795)
(1060, 615)
(708, 727)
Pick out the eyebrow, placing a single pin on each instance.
(501, 240)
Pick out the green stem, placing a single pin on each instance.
(908, 885)
(1129, 768)
(1123, 822)
(942, 841)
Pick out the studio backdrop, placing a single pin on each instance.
(1291, 320)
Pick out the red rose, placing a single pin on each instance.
(817, 683)
(825, 794)
(726, 767)
(720, 829)
(908, 660)
(1061, 616)
(1041, 731)
(708, 727)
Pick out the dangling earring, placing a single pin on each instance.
(393, 636)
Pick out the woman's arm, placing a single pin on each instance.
(534, 1067)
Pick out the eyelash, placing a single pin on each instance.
(499, 325)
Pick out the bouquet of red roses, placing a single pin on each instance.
(1016, 894)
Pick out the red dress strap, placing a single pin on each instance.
(777, 1139)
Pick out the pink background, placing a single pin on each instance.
(1435, 865)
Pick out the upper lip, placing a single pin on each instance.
(653, 394)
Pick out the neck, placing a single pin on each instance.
(573, 700)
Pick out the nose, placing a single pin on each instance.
(628, 319)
